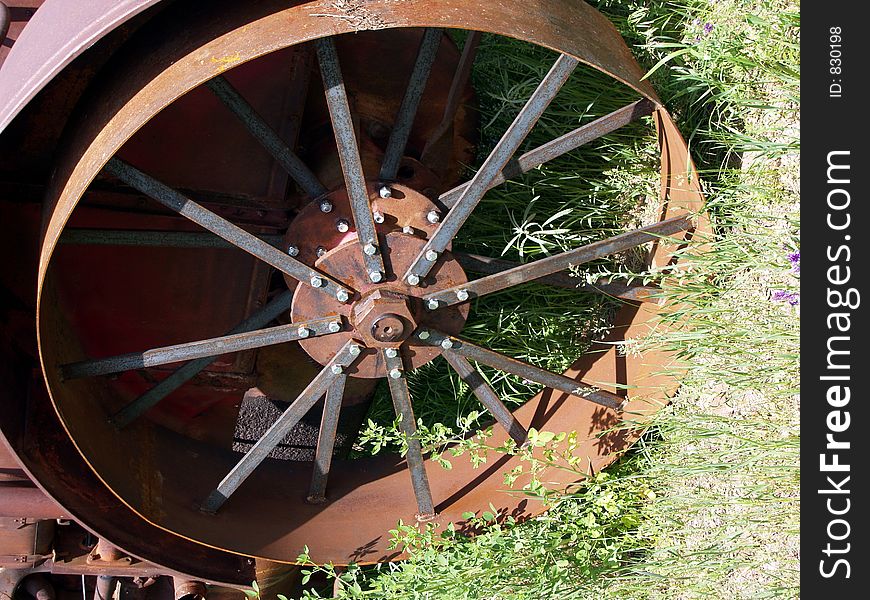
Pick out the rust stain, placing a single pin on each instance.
(224, 62)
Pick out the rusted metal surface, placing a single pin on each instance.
(483, 392)
(342, 362)
(636, 292)
(559, 262)
(492, 166)
(345, 264)
(312, 228)
(401, 396)
(162, 475)
(29, 500)
(397, 144)
(522, 369)
(237, 342)
(560, 146)
(349, 156)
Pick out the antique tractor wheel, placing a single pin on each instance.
(195, 124)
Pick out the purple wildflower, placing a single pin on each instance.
(708, 28)
(793, 298)
(795, 259)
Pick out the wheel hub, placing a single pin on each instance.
(383, 315)
(383, 318)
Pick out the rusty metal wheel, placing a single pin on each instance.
(360, 241)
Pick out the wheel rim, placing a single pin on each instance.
(229, 524)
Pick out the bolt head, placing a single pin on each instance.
(342, 296)
(325, 206)
(407, 229)
(396, 374)
(336, 369)
(320, 251)
(391, 352)
(334, 327)
(370, 249)
(462, 295)
(354, 350)
(433, 217)
(431, 255)
(376, 276)
(342, 226)
(424, 335)
(303, 332)
(447, 343)
(385, 191)
(378, 216)
(292, 250)
(316, 281)
(413, 279)
(431, 304)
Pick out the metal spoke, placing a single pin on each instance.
(348, 152)
(408, 110)
(457, 87)
(553, 264)
(561, 145)
(153, 238)
(267, 136)
(491, 167)
(179, 377)
(486, 395)
(485, 265)
(408, 425)
(522, 369)
(238, 342)
(318, 386)
(326, 440)
(223, 228)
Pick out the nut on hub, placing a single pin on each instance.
(383, 318)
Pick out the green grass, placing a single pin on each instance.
(705, 505)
